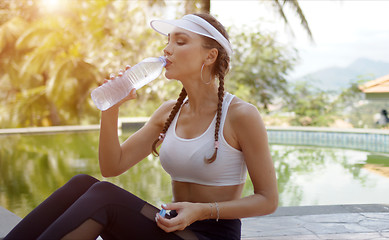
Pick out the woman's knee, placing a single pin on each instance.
(103, 187)
(101, 192)
(112, 193)
(82, 180)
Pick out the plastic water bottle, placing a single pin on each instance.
(136, 77)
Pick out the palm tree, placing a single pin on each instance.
(50, 62)
(279, 6)
(45, 77)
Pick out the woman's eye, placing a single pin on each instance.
(180, 43)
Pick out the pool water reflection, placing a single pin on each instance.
(33, 166)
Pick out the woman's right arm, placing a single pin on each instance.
(116, 158)
(109, 145)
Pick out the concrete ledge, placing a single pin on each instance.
(329, 209)
(125, 123)
(45, 130)
(132, 124)
(8, 220)
(354, 221)
(351, 222)
(140, 121)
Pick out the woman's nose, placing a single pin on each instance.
(167, 50)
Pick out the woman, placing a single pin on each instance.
(209, 140)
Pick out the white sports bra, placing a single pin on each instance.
(184, 158)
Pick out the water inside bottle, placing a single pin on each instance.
(142, 73)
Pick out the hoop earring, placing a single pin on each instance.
(201, 74)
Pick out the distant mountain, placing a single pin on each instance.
(336, 78)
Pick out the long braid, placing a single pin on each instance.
(169, 120)
(218, 118)
(219, 70)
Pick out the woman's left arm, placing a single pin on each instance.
(250, 132)
(251, 135)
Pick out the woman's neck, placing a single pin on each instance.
(202, 97)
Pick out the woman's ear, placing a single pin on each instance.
(212, 56)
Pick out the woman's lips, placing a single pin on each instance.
(168, 63)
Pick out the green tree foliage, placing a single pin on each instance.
(259, 66)
(52, 60)
(352, 106)
(311, 106)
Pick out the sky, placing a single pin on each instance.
(343, 31)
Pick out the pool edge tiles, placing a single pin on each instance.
(373, 141)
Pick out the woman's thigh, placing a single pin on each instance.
(122, 215)
(128, 217)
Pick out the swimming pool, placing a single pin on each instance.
(33, 166)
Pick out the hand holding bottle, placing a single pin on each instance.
(114, 92)
(131, 94)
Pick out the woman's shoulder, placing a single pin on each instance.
(245, 118)
(167, 105)
(241, 109)
(162, 113)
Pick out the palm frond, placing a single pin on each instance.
(280, 10)
(296, 6)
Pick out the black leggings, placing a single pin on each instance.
(122, 215)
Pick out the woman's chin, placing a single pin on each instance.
(169, 76)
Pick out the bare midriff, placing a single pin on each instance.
(193, 192)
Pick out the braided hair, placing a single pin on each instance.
(169, 120)
(220, 69)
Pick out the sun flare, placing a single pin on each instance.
(51, 5)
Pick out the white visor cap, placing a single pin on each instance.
(193, 24)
